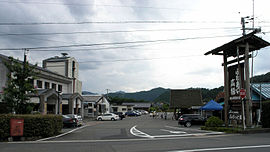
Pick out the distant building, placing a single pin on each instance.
(57, 90)
(95, 105)
(185, 101)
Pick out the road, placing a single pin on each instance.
(143, 134)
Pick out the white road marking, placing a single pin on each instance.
(190, 129)
(174, 132)
(62, 134)
(139, 133)
(223, 148)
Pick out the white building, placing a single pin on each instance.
(95, 105)
(58, 87)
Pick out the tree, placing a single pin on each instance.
(19, 85)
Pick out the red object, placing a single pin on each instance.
(242, 93)
(16, 127)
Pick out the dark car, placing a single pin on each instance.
(68, 121)
(120, 114)
(131, 113)
(191, 119)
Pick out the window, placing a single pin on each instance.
(90, 110)
(89, 104)
(31, 81)
(124, 109)
(59, 87)
(54, 86)
(39, 84)
(47, 85)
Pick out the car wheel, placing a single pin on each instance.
(188, 124)
(113, 119)
(100, 119)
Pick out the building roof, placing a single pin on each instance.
(68, 96)
(262, 89)
(91, 98)
(39, 68)
(230, 48)
(185, 98)
(138, 105)
(57, 58)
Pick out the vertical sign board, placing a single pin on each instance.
(16, 127)
(236, 81)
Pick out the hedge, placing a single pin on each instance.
(35, 126)
(266, 114)
(214, 122)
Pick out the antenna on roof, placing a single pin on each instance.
(64, 54)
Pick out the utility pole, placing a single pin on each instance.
(107, 90)
(248, 104)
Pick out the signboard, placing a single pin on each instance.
(16, 127)
(242, 93)
(236, 76)
(236, 79)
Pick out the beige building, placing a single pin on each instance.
(58, 87)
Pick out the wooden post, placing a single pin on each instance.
(226, 90)
(247, 86)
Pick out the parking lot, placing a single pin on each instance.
(130, 128)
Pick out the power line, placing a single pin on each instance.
(124, 31)
(119, 43)
(110, 22)
(96, 5)
(138, 59)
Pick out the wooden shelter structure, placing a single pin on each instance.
(185, 99)
(234, 53)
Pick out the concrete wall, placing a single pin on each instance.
(3, 76)
(65, 86)
(57, 67)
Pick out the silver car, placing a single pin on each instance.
(108, 116)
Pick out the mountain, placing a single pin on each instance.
(261, 78)
(207, 94)
(149, 96)
(88, 93)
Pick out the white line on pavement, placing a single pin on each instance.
(173, 131)
(134, 131)
(223, 148)
(63, 134)
(138, 133)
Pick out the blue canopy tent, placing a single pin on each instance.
(212, 105)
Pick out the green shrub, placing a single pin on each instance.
(34, 125)
(214, 122)
(266, 114)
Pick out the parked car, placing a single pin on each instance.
(138, 112)
(68, 121)
(120, 114)
(131, 113)
(79, 119)
(108, 116)
(191, 119)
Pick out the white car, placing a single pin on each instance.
(108, 116)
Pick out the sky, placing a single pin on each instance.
(133, 45)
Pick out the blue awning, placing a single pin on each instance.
(212, 105)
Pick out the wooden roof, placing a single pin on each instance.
(230, 49)
(185, 98)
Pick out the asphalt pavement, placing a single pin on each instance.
(150, 135)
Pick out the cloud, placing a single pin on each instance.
(174, 64)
